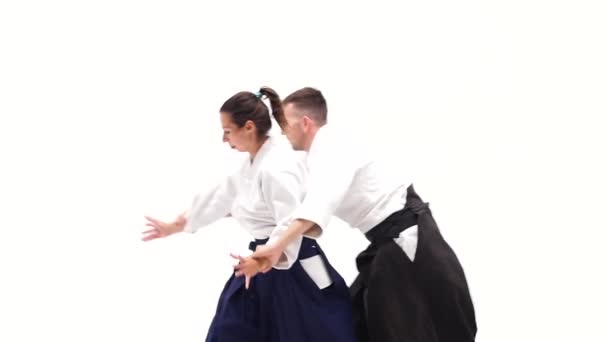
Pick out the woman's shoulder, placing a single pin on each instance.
(282, 157)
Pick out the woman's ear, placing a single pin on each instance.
(249, 126)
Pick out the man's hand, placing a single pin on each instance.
(247, 267)
(271, 253)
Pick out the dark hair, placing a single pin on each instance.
(310, 100)
(245, 106)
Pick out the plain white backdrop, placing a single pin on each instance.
(108, 112)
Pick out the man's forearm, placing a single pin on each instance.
(296, 228)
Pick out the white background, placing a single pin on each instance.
(108, 112)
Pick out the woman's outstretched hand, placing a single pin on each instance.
(162, 229)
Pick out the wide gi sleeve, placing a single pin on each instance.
(330, 176)
(211, 205)
(283, 191)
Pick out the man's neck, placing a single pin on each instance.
(313, 135)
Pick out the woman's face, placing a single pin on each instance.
(238, 138)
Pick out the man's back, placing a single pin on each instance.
(347, 182)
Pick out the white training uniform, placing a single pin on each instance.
(261, 195)
(346, 182)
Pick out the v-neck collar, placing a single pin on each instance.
(253, 165)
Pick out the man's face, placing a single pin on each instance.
(293, 128)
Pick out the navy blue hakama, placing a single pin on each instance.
(284, 306)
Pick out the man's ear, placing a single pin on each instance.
(307, 122)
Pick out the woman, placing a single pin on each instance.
(303, 298)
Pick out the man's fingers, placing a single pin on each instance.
(239, 269)
(264, 264)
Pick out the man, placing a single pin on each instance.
(410, 286)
